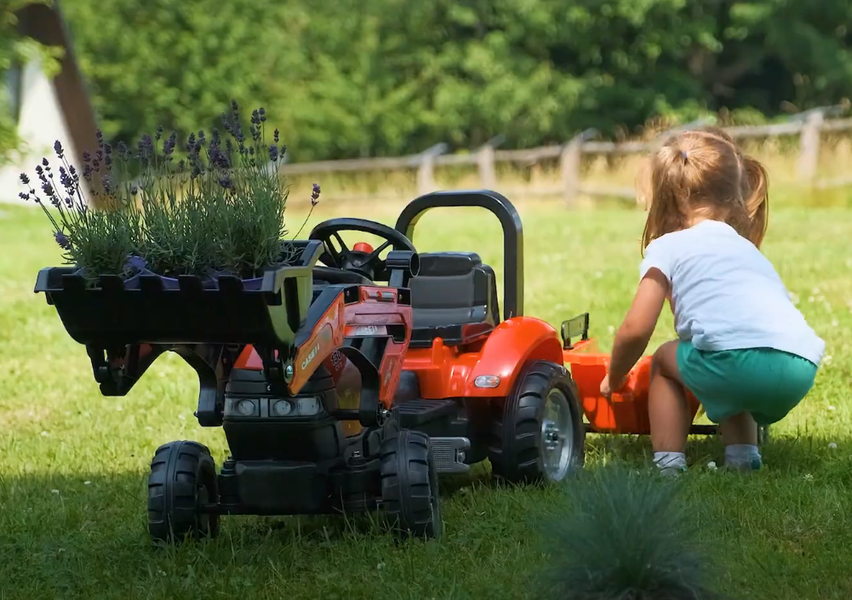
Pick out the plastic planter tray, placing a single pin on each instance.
(109, 315)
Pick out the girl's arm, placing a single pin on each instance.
(635, 332)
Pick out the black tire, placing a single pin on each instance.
(410, 485)
(517, 451)
(183, 477)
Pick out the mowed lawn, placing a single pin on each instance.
(73, 464)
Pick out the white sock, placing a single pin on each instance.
(742, 456)
(670, 461)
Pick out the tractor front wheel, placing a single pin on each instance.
(538, 432)
(181, 483)
(410, 485)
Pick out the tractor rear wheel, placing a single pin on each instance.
(181, 482)
(538, 432)
(410, 485)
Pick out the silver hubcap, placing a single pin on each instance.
(557, 430)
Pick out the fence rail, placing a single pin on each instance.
(809, 126)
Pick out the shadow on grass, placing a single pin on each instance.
(799, 454)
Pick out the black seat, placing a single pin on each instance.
(453, 291)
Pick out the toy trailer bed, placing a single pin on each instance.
(626, 412)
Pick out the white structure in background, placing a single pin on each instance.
(46, 109)
(40, 124)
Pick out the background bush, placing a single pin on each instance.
(386, 77)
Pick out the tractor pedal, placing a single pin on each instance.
(414, 413)
(449, 454)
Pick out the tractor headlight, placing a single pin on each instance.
(244, 407)
(281, 408)
(307, 407)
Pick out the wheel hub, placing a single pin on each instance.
(557, 429)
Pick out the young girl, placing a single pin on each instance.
(743, 349)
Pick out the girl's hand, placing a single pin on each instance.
(607, 390)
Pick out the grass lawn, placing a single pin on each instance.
(73, 464)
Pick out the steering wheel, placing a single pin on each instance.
(367, 264)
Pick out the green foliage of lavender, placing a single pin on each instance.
(218, 210)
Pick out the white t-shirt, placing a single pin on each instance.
(726, 295)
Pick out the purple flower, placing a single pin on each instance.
(255, 117)
(100, 136)
(123, 153)
(273, 153)
(24, 196)
(169, 145)
(315, 194)
(66, 180)
(24, 179)
(106, 180)
(159, 132)
(62, 240)
(225, 182)
(45, 163)
(145, 147)
(57, 147)
(262, 114)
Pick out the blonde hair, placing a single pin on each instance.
(704, 170)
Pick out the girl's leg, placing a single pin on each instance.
(667, 410)
(739, 434)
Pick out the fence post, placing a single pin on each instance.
(806, 166)
(569, 166)
(425, 168)
(485, 163)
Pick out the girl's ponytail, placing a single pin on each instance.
(756, 198)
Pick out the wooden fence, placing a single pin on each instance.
(808, 126)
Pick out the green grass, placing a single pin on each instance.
(73, 464)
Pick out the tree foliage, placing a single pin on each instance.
(381, 77)
(15, 50)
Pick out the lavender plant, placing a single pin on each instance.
(98, 241)
(218, 210)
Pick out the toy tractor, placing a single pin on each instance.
(478, 385)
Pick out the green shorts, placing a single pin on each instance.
(764, 382)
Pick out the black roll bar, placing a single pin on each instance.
(513, 235)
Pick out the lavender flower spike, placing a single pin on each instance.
(62, 240)
(315, 194)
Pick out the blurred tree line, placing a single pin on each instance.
(15, 50)
(349, 78)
